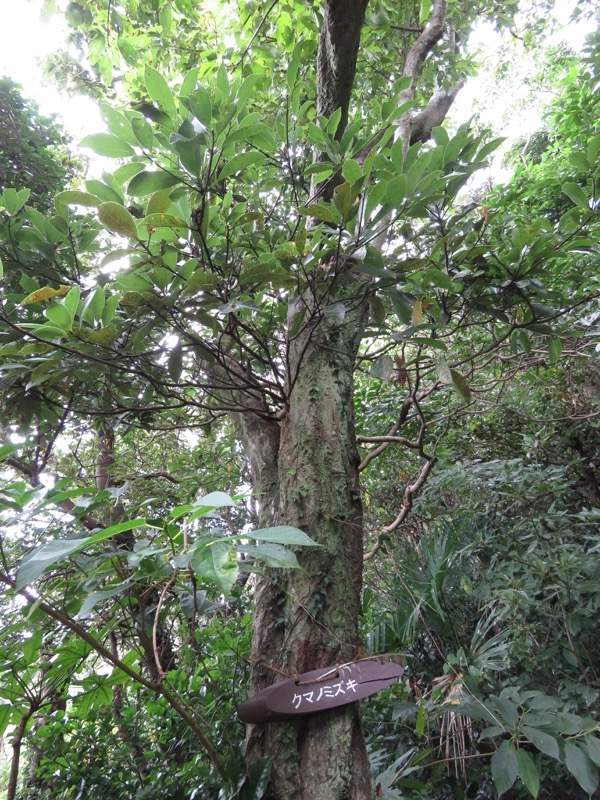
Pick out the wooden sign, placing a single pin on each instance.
(320, 690)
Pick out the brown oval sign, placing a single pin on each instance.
(319, 690)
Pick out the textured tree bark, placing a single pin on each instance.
(309, 619)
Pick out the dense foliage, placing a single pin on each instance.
(149, 343)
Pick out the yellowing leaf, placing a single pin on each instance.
(116, 218)
(45, 293)
(417, 312)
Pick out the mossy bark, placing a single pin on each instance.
(305, 619)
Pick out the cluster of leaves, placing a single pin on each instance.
(34, 151)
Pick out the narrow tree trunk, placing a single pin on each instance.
(17, 743)
(309, 619)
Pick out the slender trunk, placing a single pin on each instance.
(11, 789)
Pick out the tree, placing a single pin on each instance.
(33, 148)
(285, 228)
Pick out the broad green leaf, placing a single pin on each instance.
(504, 767)
(383, 368)
(592, 744)
(273, 555)
(75, 198)
(105, 144)
(6, 712)
(215, 500)
(200, 105)
(351, 171)
(71, 301)
(159, 91)
(543, 741)
(395, 191)
(378, 310)
(149, 182)
(240, 162)
(343, 199)
(103, 192)
(94, 598)
(160, 202)
(489, 148)
(175, 362)
(116, 218)
(217, 562)
(320, 211)
(461, 386)
(37, 562)
(59, 315)
(576, 194)
(581, 767)
(528, 772)
(282, 534)
(6, 451)
(1, 269)
(593, 149)
(13, 200)
(554, 350)
(125, 172)
(143, 132)
(117, 123)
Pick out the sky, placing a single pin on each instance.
(25, 39)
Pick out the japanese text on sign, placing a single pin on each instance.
(325, 692)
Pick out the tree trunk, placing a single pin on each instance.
(17, 743)
(309, 619)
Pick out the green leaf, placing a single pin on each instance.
(592, 742)
(543, 741)
(1, 269)
(593, 149)
(343, 199)
(528, 772)
(59, 315)
(105, 144)
(351, 171)
(13, 200)
(282, 534)
(39, 560)
(395, 191)
(74, 198)
(325, 213)
(200, 105)
(504, 767)
(378, 309)
(149, 182)
(461, 386)
(554, 350)
(159, 91)
(143, 132)
(6, 711)
(273, 555)
(116, 218)
(175, 362)
(576, 194)
(6, 451)
(241, 162)
(581, 767)
(217, 562)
